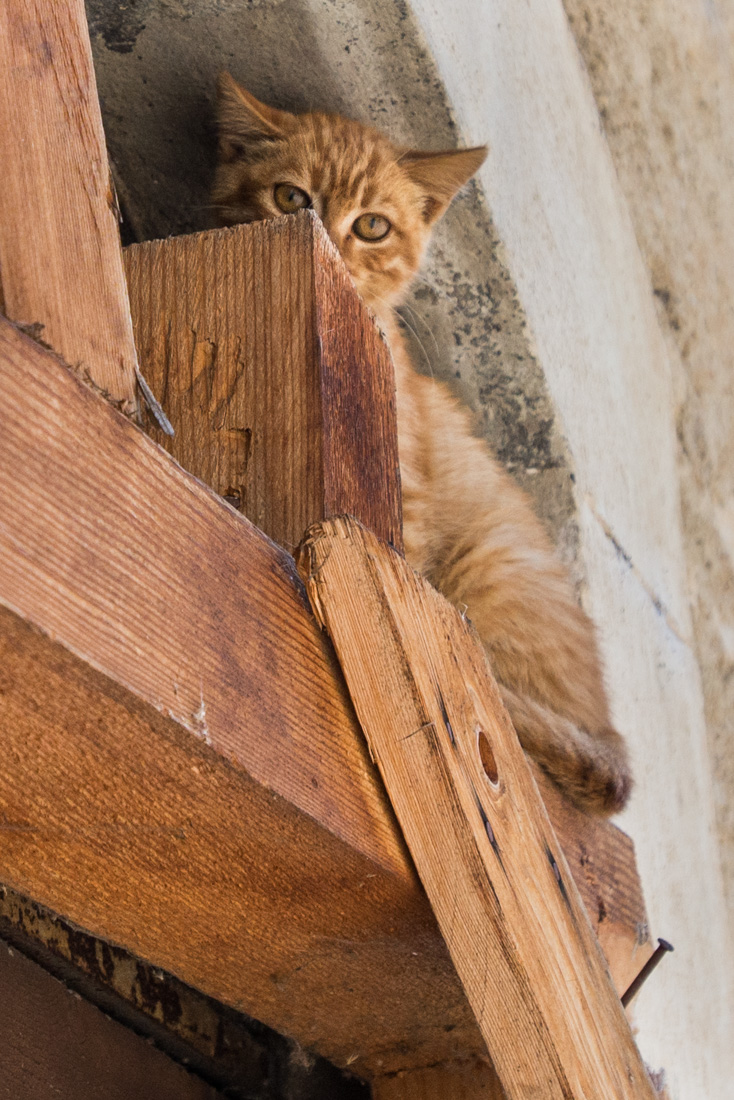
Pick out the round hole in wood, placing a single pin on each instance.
(486, 755)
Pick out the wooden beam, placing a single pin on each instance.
(60, 256)
(111, 548)
(612, 897)
(475, 824)
(56, 1044)
(118, 818)
(277, 382)
(181, 764)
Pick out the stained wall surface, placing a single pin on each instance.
(578, 298)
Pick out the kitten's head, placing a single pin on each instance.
(378, 201)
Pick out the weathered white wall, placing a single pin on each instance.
(516, 79)
(662, 73)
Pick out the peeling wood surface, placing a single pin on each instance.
(56, 1044)
(60, 256)
(475, 824)
(212, 787)
(227, 1049)
(275, 378)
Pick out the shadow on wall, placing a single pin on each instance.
(157, 62)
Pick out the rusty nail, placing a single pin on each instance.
(662, 948)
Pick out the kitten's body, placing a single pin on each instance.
(468, 527)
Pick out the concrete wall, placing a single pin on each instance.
(580, 302)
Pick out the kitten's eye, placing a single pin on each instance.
(372, 227)
(290, 198)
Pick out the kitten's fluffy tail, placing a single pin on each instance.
(592, 769)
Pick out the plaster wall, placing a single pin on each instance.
(663, 78)
(577, 300)
(613, 366)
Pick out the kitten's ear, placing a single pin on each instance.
(242, 119)
(440, 175)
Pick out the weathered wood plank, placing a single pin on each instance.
(273, 842)
(475, 824)
(281, 394)
(612, 897)
(278, 384)
(60, 255)
(55, 1044)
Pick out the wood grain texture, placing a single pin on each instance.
(282, 397)
(110, 547)
(212, 787)
(471, 1080)
(135, 829)
(475, 824)
(276, 380)
(612, 896)
(60, 255)
(54, 1044)
(122, 821)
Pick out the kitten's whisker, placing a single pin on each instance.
(425, 324)
(410, 328)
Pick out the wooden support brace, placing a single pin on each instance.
(475, 824)
(60, 256)
(153, 641)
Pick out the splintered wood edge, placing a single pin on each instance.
(494, 872)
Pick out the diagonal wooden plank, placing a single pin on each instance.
(475, 824)
(60, 255)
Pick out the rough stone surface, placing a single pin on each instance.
(684, 1026)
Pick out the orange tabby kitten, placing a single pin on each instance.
(468, 527)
